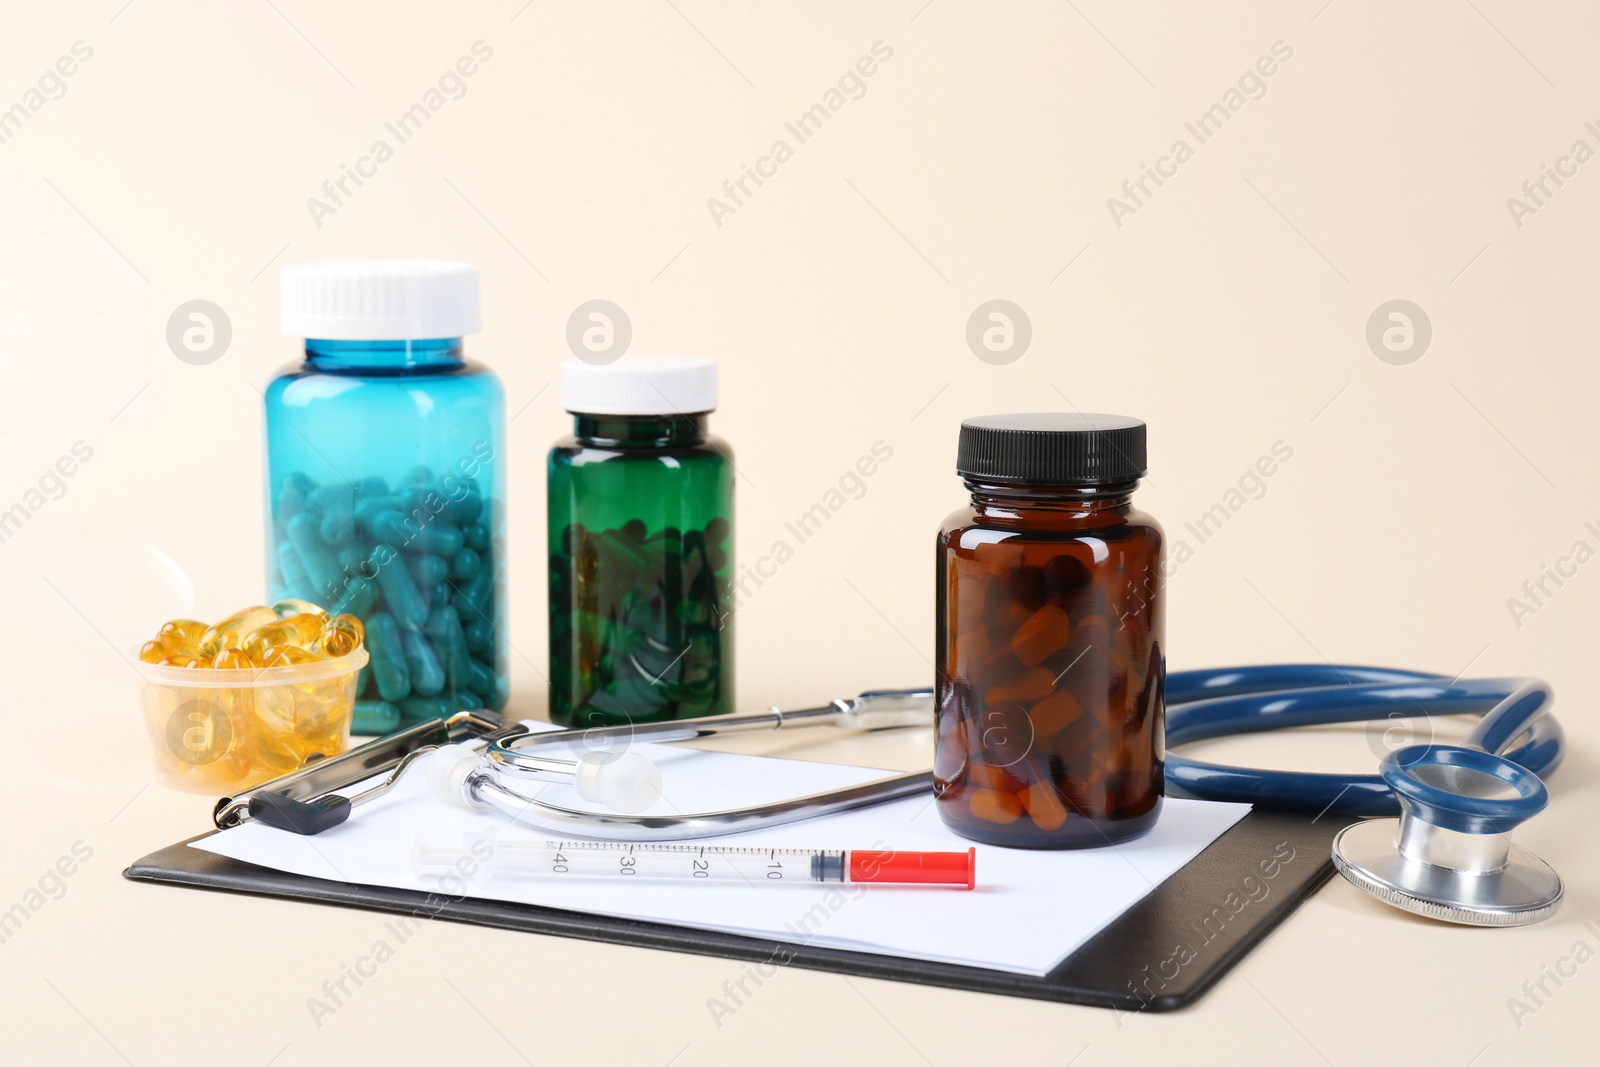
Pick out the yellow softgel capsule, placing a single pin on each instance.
(301, 630)
(274, 708)
(287, 656)
(231, 632)
(274, 756)
(221, 737)
(293, 605)
(231, 659)
(182, 636)
(341, 635)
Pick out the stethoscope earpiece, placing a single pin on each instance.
(1449, 856)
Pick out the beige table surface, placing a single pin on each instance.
(1227, 305)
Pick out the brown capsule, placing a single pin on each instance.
(1044, 807)
(1032, 686)
(994, 805)
(971, 649)
(1044, 632)
(988, 776)
(969, 593)
(1054, 713)
(950, 754)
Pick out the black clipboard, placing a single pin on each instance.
(1160, 954)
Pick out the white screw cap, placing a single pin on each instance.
(640, 385)
(380, 300)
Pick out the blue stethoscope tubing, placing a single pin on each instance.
(1516, 724)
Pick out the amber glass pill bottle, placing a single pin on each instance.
(1051, 670)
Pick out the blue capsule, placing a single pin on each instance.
(317, 559)
(427, 673)
(356, 598)
(374, 717)
(388, 660)
(291, 571)
(480, 635)
(465, 565)
(429, 570)
(417, 533)
(401, 594)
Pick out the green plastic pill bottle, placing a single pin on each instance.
(640, 527)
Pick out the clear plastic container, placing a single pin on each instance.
(221, 731)
(386, 479)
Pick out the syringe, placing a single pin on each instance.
(480, 855)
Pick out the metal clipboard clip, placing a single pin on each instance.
(307, 801)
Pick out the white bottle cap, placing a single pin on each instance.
(380, 300)
(640, 385)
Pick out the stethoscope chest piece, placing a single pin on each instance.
(1449, 856)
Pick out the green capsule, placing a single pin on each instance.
(427, 673)
(388, 660)
(476, 536)
(374, 717)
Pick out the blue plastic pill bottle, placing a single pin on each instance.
(385, 479)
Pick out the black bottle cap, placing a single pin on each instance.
(1052, 448)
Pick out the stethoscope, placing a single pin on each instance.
(1445, 851)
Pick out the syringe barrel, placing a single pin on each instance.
(746, 865)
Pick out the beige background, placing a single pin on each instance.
(1229, 311)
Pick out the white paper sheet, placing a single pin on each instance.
(1030, 910)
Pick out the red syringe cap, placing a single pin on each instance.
(936, 868)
